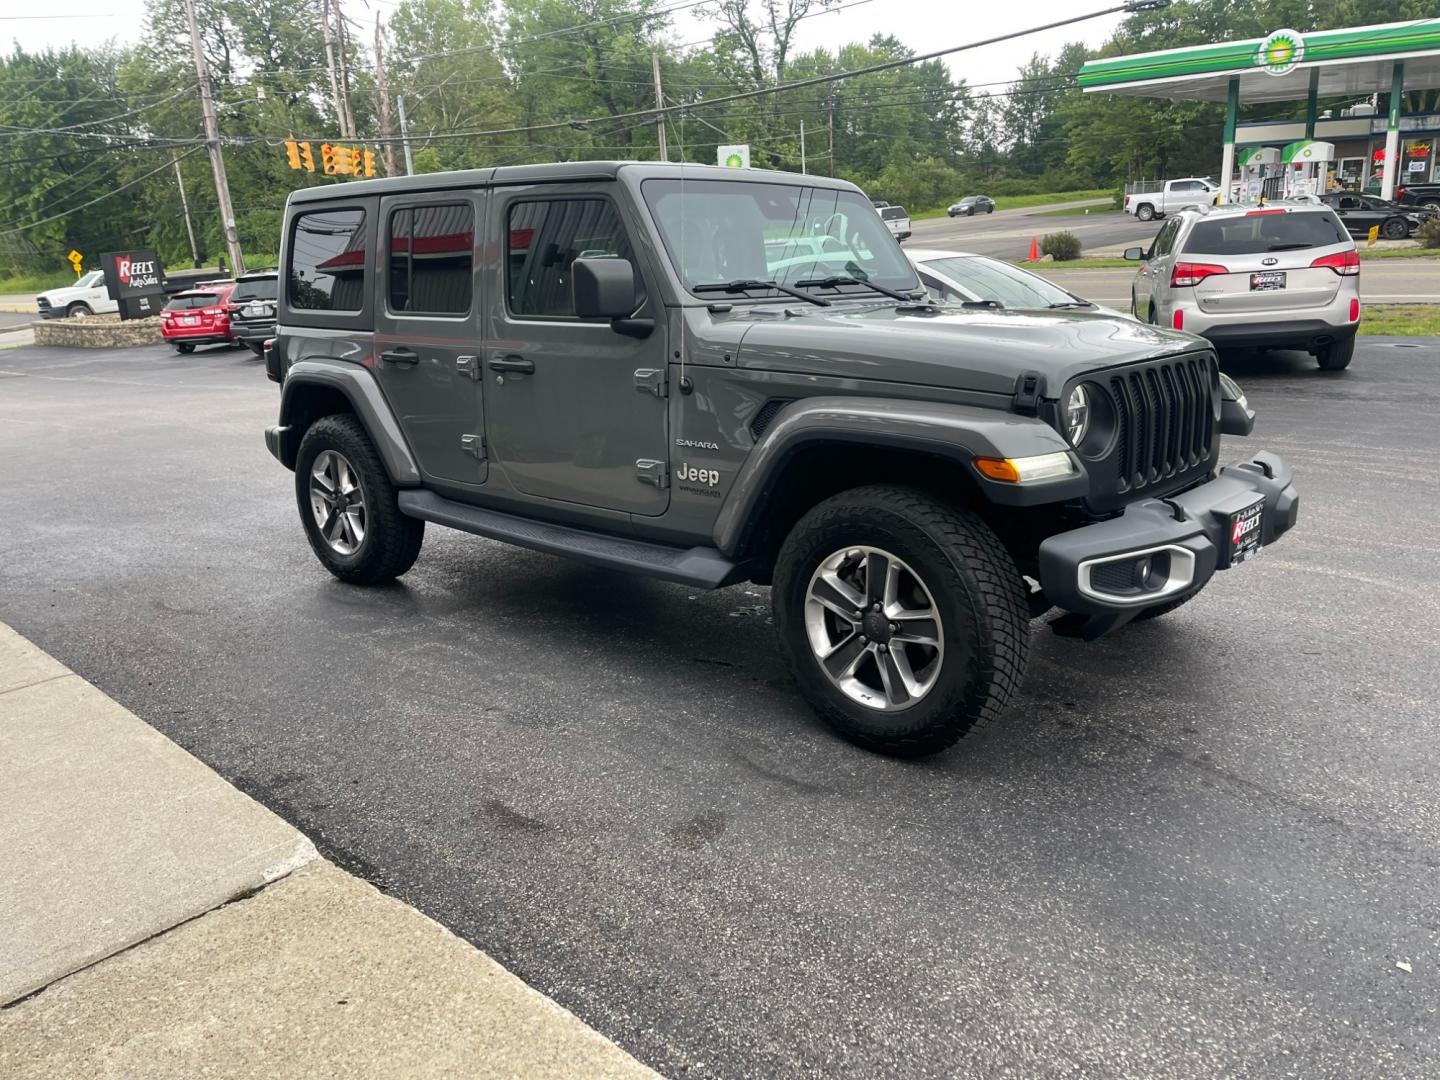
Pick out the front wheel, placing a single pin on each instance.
(904, 619)
(1337, 355)
(78, 309)
(1395, 229)
(349, 506)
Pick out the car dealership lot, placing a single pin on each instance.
(1197, 847)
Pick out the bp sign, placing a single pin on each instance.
(136, 281)
(1280, 52)
(733, 157)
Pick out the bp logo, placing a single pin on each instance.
(734, 161)
(1280, 52)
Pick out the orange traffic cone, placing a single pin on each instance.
(1034, 250)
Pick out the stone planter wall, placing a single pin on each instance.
(98, 332)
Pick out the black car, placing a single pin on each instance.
(252, 309)
(1360, 213)
(971, 205)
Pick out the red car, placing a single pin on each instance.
(198, 317)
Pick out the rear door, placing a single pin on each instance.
(1266, 256)
(427, 329)
(1154, 273)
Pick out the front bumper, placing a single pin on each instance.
(1188, 535)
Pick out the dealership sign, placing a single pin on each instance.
(136, 281)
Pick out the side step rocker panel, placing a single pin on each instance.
(701, 567)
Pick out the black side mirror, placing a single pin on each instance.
(1134, 254)
(604, 288)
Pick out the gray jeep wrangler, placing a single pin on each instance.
(714, 376)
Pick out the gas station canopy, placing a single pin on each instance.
(1352, 61)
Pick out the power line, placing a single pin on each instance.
(99, 198)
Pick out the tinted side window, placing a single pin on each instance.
(545, 237)
(327, 261)
(1165, 241)
(431, 259)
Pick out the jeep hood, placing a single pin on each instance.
(961, 348)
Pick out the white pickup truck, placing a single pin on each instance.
(88, 296)
(1171, 196)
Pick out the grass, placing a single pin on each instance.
(1416, 320)
(1019, 202)
(36, 283)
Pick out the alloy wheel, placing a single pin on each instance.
(874, 628)
(337, 500)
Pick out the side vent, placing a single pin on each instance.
(766, 414)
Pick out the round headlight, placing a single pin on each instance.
(1077, 415)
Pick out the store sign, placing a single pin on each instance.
(1417, 166)
(733, 157)
(136, 281)
(1280, 52)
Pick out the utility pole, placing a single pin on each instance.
(802, 147)
(831, 122)
(387, 129)
(185, 206)
(659, 104)
(405, 135)
(212, 143)
(343, 39)
(329, 32)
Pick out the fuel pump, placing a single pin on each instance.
(1257, 164)
(1307, 163)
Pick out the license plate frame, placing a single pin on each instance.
(1245, 532)
(189, 320)
(1267, 281)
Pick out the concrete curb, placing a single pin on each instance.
(155, 921)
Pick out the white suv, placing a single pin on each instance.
(1277, 276)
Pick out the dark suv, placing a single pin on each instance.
(252, 309)
(714, 376)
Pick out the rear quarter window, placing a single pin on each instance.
(893, 213)
(328, 261)
(1259, 233)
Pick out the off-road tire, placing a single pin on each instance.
(1431, 204)
(392, 541)
(976, 588)
(1395, 229)
(1145, 212)
(184, 347)
(1337, 355)
(78, 309)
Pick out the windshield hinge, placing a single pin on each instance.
(652, 381)
(655, 473)
(468, 365)
(1027, 393)
(474, 445)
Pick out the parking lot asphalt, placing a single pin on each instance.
(1197, 848)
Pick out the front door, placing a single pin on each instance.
(427, 329)
(569, 416)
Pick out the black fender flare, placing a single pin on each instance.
(358, 386)
(960, 433)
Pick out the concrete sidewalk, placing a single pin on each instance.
(155, 921)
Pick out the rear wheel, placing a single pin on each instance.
(1395, 229)
(1337, 355)
(349, 506)
(1431, 204)
(904, 619)
(1145, 212)
(183, 347)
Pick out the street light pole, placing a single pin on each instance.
(405, 135)
(212, 143)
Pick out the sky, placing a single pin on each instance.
(922, 25)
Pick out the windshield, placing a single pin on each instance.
(727, 230)
(893, 213)
(991, 279)
(1261, 231)
(257, 289)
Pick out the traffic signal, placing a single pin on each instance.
(307, 159)
(369, 163)
(328, 164)
(292, 153)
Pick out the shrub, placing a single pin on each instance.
(1062, 245)
(1429, 233)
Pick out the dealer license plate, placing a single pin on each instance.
(189, 320)
(1267, 281)
(1245, 531)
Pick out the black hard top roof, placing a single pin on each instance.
(553, 173)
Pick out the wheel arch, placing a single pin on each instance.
(323, 387)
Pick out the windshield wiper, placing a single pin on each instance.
(741, 284)
(1286, 247)
(837, 279)
(1071, 304)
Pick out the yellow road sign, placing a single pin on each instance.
(77, 261)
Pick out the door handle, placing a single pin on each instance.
(401, 355)
(511, 363)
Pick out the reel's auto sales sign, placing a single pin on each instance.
(136, 281)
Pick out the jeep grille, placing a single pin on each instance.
(1165, 416)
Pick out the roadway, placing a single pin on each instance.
(1200, 847)
(1006, 234)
